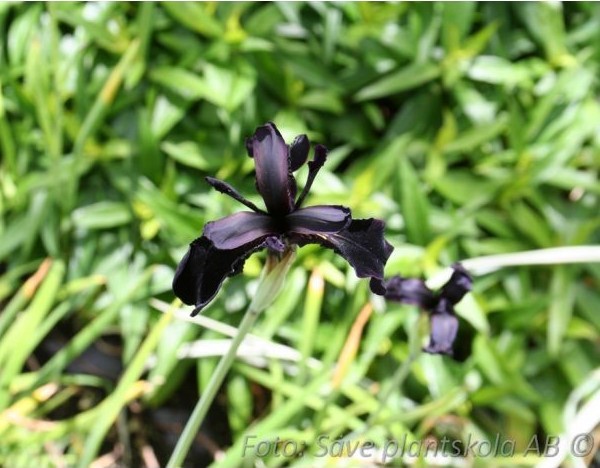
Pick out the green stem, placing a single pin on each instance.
(269, 287)
(191, 429)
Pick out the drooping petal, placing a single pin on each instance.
(228, 189)
(238, 229)
(409, 291)
(443, 329)
(318, 219)
(203, 269)
(273, 175)
(299, 152)
(361, 243)
(313, 169)
(189, 272)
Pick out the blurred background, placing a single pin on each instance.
(470, 128)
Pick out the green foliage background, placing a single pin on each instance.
(471, 128)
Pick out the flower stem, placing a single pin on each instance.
(268, 289)
(208, 395)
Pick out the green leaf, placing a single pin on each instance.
(545, 22)
(187, 153)
(102, 215)
(240, 402)
(324, 100)
(457, 18)
(165, 115)
(532, 225)
(496, 70)
(463, 187)
(562, 297)
(187, 84)
(405, 79)
(413, 203)
(478, 135)
(196, 17)
(227, 88)
(14, 350)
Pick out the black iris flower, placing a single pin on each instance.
(440, 304)
(226, 243)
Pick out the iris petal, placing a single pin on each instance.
(444, 327)
(188, 273)
(238, 229)
(409, 291)
(273, 176)
(318, 219)
(440, 305)
(361, 243)
(299, 152)
(314, 167)
(459, 284)
(203, 269)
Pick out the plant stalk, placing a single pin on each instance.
(270, 285)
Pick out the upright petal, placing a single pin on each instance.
(238, 229)
(459, 284)
(203, 269)
(273, 176)
(314, 167)
(318, 219)
(361, 243)
(299, 152)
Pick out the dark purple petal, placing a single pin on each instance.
(319, 159)
(313, 168)
(299, 152)
(185, 284)
(414, 291)
(409, 291)
(203, 269)
(440, 305)
(238, 229)
(318, 219)
(459, 284)
(273, 175)
(377, 286)
(362, 244)
(227, 189)
(443, 327)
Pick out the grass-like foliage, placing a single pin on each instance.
(472, 129)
